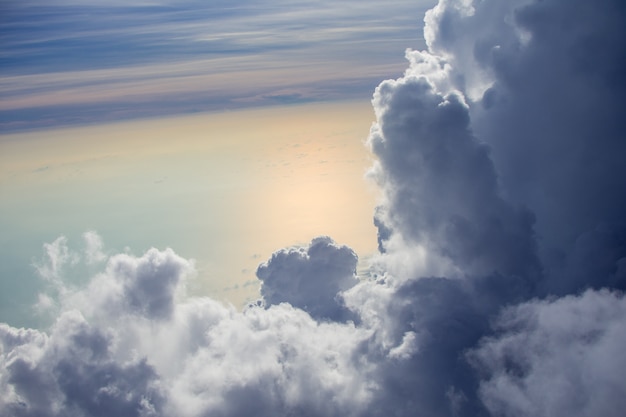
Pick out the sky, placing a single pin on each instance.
(69, 62)
(96, 118)
(222, 192)
(491, 178)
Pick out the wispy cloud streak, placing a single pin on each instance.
(72, 55)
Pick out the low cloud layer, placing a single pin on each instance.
(131, 344)
(497, 291)
(557, 356)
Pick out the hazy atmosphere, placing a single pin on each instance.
(312, 208)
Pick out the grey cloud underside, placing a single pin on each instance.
(556, 355)
(311, 279)
(556, 129)
(505, 188)
(498, 292)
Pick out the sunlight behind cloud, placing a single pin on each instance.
(226, 189)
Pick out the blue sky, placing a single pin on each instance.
(75, 63)
(84, 62)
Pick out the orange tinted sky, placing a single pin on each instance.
(224, 188)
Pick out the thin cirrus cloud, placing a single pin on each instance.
(85, 62)
(480, 303)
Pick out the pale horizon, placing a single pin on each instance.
(226, 189)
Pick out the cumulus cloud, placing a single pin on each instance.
(556, 357)
(311, 278)
(497, 290)
(146, 285)
(488, 151)
(131, 343)
(440, 182)
(56, 257)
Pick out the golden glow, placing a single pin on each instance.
(227, 188)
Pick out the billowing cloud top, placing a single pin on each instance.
(311, 279)
(498, 290)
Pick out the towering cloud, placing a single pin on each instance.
(497, 291)
(547, 83)
(439, 180)
(490, 150)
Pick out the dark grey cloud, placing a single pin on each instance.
(548, 103)
(311, 278)
(489, 151)
(72, 373)
(131, 343)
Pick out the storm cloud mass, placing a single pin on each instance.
(497, 292)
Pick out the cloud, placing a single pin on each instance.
(497, 291)
(440, 182)
(310, 278)
(72, 372)
(556, 356)
(277, 361)
(543, 77)
(57, 255)
(122, 345)
(144, 286)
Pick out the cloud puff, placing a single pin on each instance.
(277, 361)
(311, 278)
(56, 257)
(93, 247)
(440, 182)
(146, 285)
(72, 372)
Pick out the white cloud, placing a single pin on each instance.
(93, 247)
(56, 257)
(125, 344)
(557, 358)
